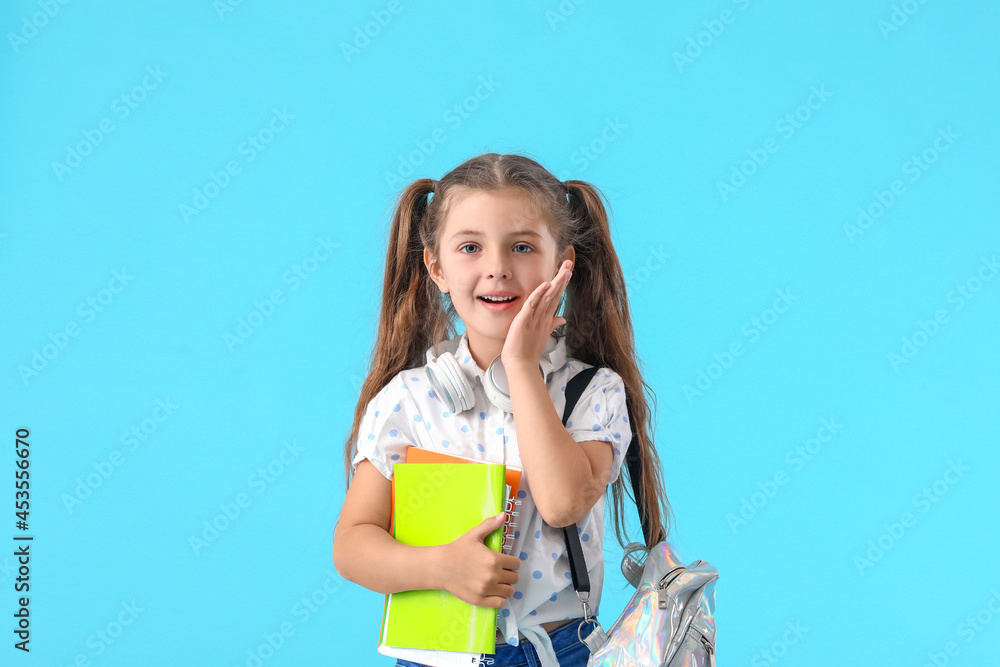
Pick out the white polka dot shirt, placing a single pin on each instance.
(408, 413)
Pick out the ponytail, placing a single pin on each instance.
(411, 314)
(599, 327)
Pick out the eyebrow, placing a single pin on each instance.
(470, 232)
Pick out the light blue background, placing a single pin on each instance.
(560, 76)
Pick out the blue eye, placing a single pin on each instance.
(461, 249)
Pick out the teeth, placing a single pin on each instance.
(498, 299)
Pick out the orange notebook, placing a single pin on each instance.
(513, 481)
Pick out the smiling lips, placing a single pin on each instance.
(498, 301)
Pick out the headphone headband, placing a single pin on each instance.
(452, 385)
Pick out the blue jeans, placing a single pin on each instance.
(570, 651)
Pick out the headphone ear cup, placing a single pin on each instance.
(450, 383)
(498, 399)
(496, 386)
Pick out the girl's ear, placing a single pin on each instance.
(434, 270)
(570, 254)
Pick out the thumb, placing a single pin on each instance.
(487, 526)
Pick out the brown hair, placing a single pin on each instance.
(598, 327)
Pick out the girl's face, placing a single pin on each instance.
(493, 243)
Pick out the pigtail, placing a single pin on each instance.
(599, 332)
(411, 314)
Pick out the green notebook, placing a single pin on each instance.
(435, 503)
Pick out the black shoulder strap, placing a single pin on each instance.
(634, 464)
(577, 565)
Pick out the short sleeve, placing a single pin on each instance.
(601, 414)
(386, 428)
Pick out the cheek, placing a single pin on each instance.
(462, 283)
(464, 287)
(533, 283)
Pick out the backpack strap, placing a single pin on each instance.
(634, 464)
(577, 565)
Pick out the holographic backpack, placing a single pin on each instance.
(668, 622)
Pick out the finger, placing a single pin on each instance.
(560, 287)
(542, 289)
(564, 272)
(503, 591)
(549, 301)
(509, 562)
(487, 526)
(493, 601)
(559, 283)
(537, 297)
(508, 577)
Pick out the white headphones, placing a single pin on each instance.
(453, 387)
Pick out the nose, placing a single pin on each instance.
(497, 266)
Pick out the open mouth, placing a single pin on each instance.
(497, 299)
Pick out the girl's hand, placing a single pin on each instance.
(474, 572)
(534, 323)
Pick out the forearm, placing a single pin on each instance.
(555, 465)
(367, 555)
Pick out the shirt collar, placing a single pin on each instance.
(553, 357)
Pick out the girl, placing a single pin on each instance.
(503, 241)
